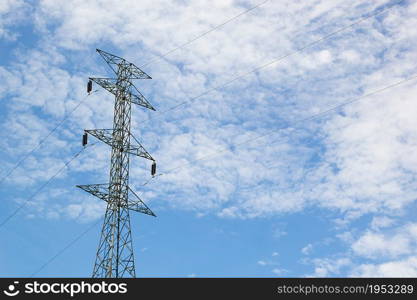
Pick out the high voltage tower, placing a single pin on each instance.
(115, 258)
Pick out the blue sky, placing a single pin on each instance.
(333, 196)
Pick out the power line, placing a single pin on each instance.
(309, 118)
(228, 82)
(205, 33)
(76, 239)
(312, 117)
(148, 63)
(20, 207)
(305, 172)
(315, 116)
(75, 108)
(235, 78)
(366, 17)
(298, 50)
(43, 140)
(247, 73)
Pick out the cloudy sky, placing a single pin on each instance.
(285, 138)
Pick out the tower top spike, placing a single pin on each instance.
(117, 63)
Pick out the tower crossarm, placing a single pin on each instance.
(104, 135)
(138, 99)
(132, 94)
(133, 202)
(99, 190)
(115, 62)
(138, 205)
(107, 136)
(139, 150)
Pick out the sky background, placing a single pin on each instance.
(330, 197)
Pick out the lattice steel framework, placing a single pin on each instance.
(115, 258)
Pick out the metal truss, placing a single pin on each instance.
(116, 63)
(102, 191)
(115, 258)
(132, 93)
(106, 136)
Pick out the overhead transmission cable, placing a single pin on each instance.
(312, 117)
(273, 62)
(61, 251)
(315, 42)
(79, 104)
(283, 57)
(15, 166)
(235, 78)
(303, 120)
(276, 60)
(25, 202)
(182, 46)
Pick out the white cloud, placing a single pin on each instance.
(278, 271)
(86, 210)
(358, 162)
(376, 245)
(381, 222)
(330, 267)
(397, 268)
(11, 12)
(369, 164)
(346, 237)
(377, 252)
(361, 161)
(262, 263)
(268, 262)
(307, 249)
(279, 231)
(402, 241)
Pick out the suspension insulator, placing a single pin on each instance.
(85, 138)
(89, 86)
(153, 169)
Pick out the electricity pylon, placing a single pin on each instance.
(115, 257)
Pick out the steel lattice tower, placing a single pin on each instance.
(115, 257)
